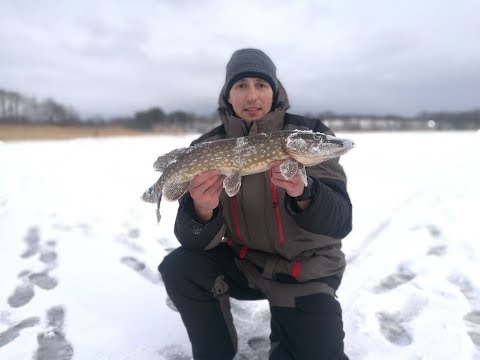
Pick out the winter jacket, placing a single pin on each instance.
(263, 224)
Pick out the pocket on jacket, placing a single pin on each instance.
(313, 268)
(279, 269)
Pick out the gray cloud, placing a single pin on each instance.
(116, 57)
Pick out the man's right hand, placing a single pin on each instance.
(205, 190)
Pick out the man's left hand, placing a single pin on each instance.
(294, 186)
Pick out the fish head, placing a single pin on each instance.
(311, 148)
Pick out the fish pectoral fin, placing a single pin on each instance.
(303, 174)
(232, 184)
(289, 168)
(173, 191)
(167, 159)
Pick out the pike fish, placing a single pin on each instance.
(237, 157)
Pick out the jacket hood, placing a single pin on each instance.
(274, 120)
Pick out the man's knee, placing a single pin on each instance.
(179, 261)
(184, 267)
(173, 267)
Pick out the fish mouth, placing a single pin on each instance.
(348, 144)
(314, 159)
(321, 152)
(342, 144)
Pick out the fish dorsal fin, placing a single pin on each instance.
(167, 159)
(232, 184)
(289, 168)
(173, 191)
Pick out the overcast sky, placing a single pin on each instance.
(116, 57)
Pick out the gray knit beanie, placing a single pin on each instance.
(250, 63)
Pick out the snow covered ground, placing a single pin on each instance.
(79, 251)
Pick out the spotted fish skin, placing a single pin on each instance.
(237, 157)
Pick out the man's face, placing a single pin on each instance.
(251, 98)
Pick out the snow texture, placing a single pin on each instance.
(79, 252)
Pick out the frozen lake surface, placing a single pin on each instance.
(79, 251)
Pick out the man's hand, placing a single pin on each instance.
(294, 187)
(205, 191)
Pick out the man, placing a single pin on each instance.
(276, 239)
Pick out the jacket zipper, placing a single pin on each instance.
(296, 265)
(244, 250)
(276, 206)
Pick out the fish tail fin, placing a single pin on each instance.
(158, 208)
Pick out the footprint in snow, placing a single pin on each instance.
(25, 292)
(439, 250)
(43, 280)
(13, 332)
(472, 319)
(393, 326)
(48, 255)
(133, 263)
(142, 269)
(174, 352)
(21, 295)
(259, 342)
(52, 343)
(164, 241)
(32, 239)
(434, 231)
(128, 240)
(402, 276)
(134, 233)
(47, 252)
(466, 287)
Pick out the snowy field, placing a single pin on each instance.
(79, 252)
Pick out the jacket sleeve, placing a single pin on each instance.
(192, 233)
(330, 211)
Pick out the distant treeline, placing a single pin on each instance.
(16, 108)
(440, 120)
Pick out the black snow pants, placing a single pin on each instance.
(200, 283)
